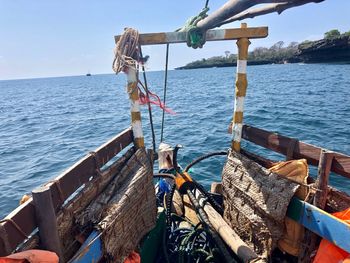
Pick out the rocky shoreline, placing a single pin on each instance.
(335, 50)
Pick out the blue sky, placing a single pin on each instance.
(59, 38)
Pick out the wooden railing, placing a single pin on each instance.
(21, 222)
(295, 149)
(312, 216)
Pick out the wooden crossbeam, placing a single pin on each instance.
(212, 35)
(320, 222)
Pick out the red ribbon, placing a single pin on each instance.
(153, 99)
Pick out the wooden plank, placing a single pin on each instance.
(320, 222)
(111, 148)
(78, 203)
(228, 235)
(321, 185)
(70, 180)
(212, 35)
(47, 222)
(61, 188)
(258, 159)
(24, 217)
(91, 249)
(337, 200)
(280, 144)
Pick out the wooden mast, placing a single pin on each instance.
(241, 88)
(133, 92)
(242, 34)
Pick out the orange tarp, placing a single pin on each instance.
(330, 253)
(31, 256)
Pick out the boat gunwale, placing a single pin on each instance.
(21, 222)
(81, 172)
(295, 148)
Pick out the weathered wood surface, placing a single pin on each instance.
(212, 35)
(126, 210)
(228, 235)
(321, 184)
(267, 163)
(255, 202)
(94, 211)
(216, 187)
(337, 200)
(47, 222)
(320, 222)
(91, 250)
(61, 188)
(280, 144)
(111, 148)
(66, 217)
(234, 10)
(240, 91)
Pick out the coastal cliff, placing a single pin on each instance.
(334, 47)
(325, 50)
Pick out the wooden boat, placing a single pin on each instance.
(106, 207)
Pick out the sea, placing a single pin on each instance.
(48, 124)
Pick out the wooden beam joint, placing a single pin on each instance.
(211, 35)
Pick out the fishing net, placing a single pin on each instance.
(255, 202)
(132, 211)
(126, 210)
(71, 217)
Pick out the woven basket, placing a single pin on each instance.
(255, 202)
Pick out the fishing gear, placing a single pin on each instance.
(191, 243)
(185, 242)
(193, 182)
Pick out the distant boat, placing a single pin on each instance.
(88, 74)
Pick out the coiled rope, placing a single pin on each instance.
(126, 51)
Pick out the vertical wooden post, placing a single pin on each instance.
(241, 88)
(320, 199)
(135, 108)
(47, 221)
(324, 167)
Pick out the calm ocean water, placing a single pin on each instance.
(48, 124)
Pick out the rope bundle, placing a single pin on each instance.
(126, 51)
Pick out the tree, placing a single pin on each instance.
(332, 34)
(277, 46)
(227, 53)
(293, 45)
(259, 52)
(347, 34)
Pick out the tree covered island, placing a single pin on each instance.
(334, 47)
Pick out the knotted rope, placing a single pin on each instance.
(128, 55)
(195, 36)
(126, 51)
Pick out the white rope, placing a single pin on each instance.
(126, 51)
